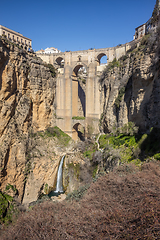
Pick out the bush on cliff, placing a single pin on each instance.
(8, 208)
(124, 205)
(56, 132)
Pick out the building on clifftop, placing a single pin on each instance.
(48, 51)
(15, 37)
(151, 24)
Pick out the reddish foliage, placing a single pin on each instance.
(115, 207)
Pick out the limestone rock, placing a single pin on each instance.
(27, 95)
(138, 74)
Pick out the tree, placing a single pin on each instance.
(155, 14)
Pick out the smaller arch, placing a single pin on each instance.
(77, 66)
(78, 132)
(60, 62)
(76, 69)
(99, 58)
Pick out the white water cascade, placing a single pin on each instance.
(59, 185)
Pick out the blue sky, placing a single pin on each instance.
(76, 25)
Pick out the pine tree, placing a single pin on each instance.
(155, 14)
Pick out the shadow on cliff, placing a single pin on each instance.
(151, 145)
(82, 97)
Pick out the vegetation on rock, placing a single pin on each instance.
(155, 14)
(8, 208)
(124, 204)
(51, 69)
(62, 137)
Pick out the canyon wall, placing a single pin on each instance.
(27, 95)
(29, 157)
(130, 88)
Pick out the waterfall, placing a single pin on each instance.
(59, 185)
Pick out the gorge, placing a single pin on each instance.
(31, 144)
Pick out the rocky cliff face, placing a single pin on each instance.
(29, 152)
(29, 157)
(130, 87)
(27, 94)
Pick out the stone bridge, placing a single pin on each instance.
(69, 92)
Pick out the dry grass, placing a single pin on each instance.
(124, 204)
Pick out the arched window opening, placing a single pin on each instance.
(59, 62)
(78, 132)
(102, 59)
(79, 77)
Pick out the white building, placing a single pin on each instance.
(49, 51)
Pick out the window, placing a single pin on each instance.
(8, 35)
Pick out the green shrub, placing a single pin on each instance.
(51, 69)
(78, 118)
(113, 64)
(9, 186)
(89, 154)
(119, 98)
(56, 132)
(122, 139)
(7, 208)
(157, 156)
(103, 140)
(127, 129)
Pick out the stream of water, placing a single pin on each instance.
(59, 185)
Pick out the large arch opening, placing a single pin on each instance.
(78, 132)
(102, 59)
(59, 62)
(79, 77)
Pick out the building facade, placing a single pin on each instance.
(51, 50)
(140, 31)
(151, 24)
(48, 51)
(15, 37)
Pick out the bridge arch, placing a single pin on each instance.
(77, 66)
(78, 92)
(100, 57)
(59, 61)
(78, 132)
